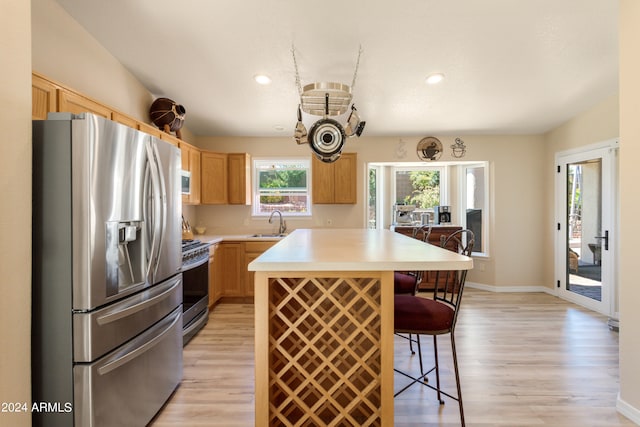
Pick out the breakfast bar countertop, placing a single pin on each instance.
(324, 324)
(356, 250)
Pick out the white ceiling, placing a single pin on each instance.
(511, 66)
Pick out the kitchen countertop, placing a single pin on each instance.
(394, 226)
(209, 238)
(319, 292)
(356, 250)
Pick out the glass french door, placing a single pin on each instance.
(586, 204)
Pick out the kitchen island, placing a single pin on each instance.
(324, 324)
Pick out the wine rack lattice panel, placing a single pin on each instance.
(324, 349)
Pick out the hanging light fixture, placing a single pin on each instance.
(327, 136)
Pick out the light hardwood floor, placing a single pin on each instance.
(525, 360)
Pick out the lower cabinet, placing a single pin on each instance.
(215, 291)
(252, 250)
(229, 270)
(231, 278)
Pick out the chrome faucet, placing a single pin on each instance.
(283, 225)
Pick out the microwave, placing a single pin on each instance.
(185, 181)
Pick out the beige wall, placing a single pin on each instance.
(516, 181)
(15, 217)
(629, 207)
(597, 124)
(64, 51)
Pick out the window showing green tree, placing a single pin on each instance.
(282, 185)
(418, 187)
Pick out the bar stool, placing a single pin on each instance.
(406, 283)
(437, 316)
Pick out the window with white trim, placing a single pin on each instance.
(475, 204)
(283, 185)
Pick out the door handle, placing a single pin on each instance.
(605, 238)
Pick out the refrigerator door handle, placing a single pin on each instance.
(131, 354)
(163, 207)
(156, 202)
(146, 218)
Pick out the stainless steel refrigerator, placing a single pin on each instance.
(107, 287)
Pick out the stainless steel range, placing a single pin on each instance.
(195, 286)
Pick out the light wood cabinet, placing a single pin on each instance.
(239, 178)
(49, 96)
(226, 178)
(231, 277)
(214, 178)
(124, 119)
(335, 183)
(43, 97)
(252, 250)
(230, 273)
(151, 130)
(191, 158)
(169, 138)
(215, 290)
(72, 102)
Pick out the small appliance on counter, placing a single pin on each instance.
(426, 217)
(442, 214)
(403, 214)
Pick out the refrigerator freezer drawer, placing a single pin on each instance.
(97, 332)
(129, 385)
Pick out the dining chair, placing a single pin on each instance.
(435, 316)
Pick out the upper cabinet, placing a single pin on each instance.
(154, 131)
(43, 95)
(72, 102)
(239, 177)
(214, 178)
(124, 119)
(191, 159)
(335, 183)
(226, 178)
(165, 136)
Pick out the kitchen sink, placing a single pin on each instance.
(268, 235)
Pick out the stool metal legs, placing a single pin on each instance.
(422, 379)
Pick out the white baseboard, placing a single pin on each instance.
(627, 410)
(492, 288)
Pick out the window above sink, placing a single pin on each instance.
(282, 184)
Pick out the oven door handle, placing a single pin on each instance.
(196, 264)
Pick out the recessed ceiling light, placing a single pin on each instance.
(435, 78)
(262, 79)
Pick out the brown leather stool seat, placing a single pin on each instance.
(421, 315)
(404, 283)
